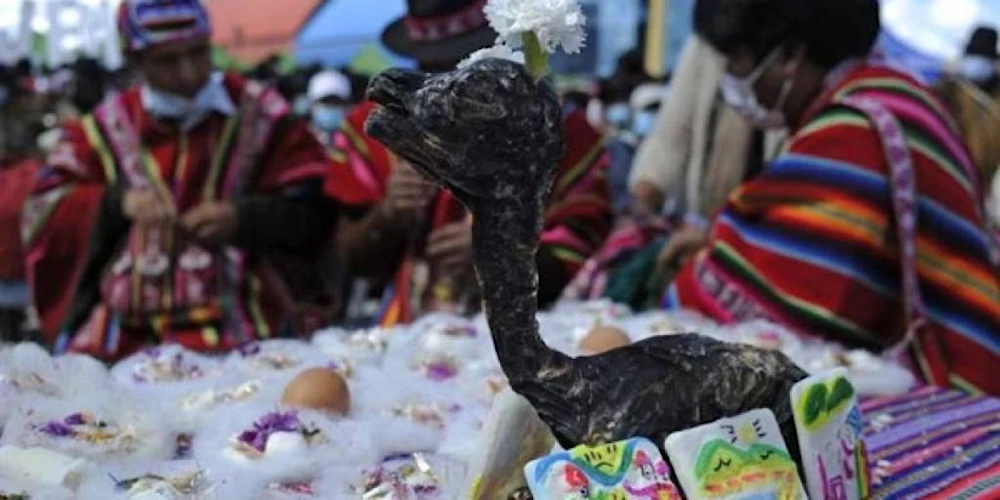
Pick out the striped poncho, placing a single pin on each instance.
(812, 243)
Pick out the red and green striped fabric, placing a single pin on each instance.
(811, 242)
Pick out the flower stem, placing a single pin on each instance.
(534, 57)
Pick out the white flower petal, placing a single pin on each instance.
(557, 23)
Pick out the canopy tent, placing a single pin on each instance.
(340, 30)
(254, 30)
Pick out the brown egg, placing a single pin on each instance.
(602, 339)
(318, 389)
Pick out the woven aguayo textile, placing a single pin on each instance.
(812, 242)
(934, 443)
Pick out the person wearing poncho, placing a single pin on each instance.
(194, 176)
(20, 115)
(835, 238)
(973, 94)
(398, 222)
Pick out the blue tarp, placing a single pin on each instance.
(340, 28)
(928, 67)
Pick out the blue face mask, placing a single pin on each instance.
(327, 118)
(642, 123)
(190, 111)
(618, 114)
(978, 69)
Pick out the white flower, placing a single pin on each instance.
(556, 23)
(496, 52)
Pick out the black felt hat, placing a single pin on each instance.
(983, 43)
(438, 31)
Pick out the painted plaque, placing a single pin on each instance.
(632, 469)
(739, 458)
(829, 423)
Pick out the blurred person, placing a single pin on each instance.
(329, 96)
(89, 84)
(403, 230)
(642, 109)
(973, 95)
(575, 100)
(20, 118)
(171, 213)
(698, 150)
(867, 229)
(696, 153)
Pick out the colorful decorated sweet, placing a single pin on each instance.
(296, 490)
(437, 366)
(450, 339)
(401, 477)
(267, 359)
(275, 434)
(374, 341)
(32, 382)
(427, 414)
(161, 365)
(208, 399)
(739, 458)
(88, 429)
(829, 424)
(631, 469)
(28, 368)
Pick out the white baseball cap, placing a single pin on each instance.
(329, 84)
(647, 94)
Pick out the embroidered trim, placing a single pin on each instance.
(437, 28)
(97, 141)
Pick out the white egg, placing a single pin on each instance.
(286, 443)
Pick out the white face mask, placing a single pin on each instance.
(978, 69)
(189, 111)
(739, 94)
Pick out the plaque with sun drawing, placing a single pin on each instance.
(632, 469)
(739, 458)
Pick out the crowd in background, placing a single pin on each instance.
(665, 181)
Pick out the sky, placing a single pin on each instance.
(939, 28)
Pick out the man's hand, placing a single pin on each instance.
(682, 244)
(212, 223)
(647, 199)
(407, 193)
(145, 206)
(450, 247)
